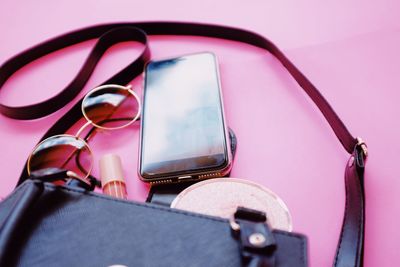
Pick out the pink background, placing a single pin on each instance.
(348, 50)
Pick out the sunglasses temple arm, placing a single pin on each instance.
(51, 177)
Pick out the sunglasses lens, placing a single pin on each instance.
(111, 107)
(61, 152)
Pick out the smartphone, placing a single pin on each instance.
(183, 132)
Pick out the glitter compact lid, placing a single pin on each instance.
(221, 196)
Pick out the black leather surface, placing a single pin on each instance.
(70, 227)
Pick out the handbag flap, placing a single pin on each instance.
(72, 227)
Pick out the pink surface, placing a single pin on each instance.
(349, 51)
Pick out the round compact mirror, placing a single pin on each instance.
(221, 196)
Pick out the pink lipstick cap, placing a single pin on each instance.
(111, 169)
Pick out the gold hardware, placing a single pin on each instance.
(161, 182)
(210, 175)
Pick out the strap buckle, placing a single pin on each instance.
(363, 146)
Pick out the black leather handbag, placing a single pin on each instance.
(42, 224)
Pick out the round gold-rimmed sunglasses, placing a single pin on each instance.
(106, 107)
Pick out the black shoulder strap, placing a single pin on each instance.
(350, 247)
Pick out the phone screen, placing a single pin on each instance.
(182, 122)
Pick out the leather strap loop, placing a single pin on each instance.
(66, 95)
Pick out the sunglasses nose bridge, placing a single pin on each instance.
(79, 132)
